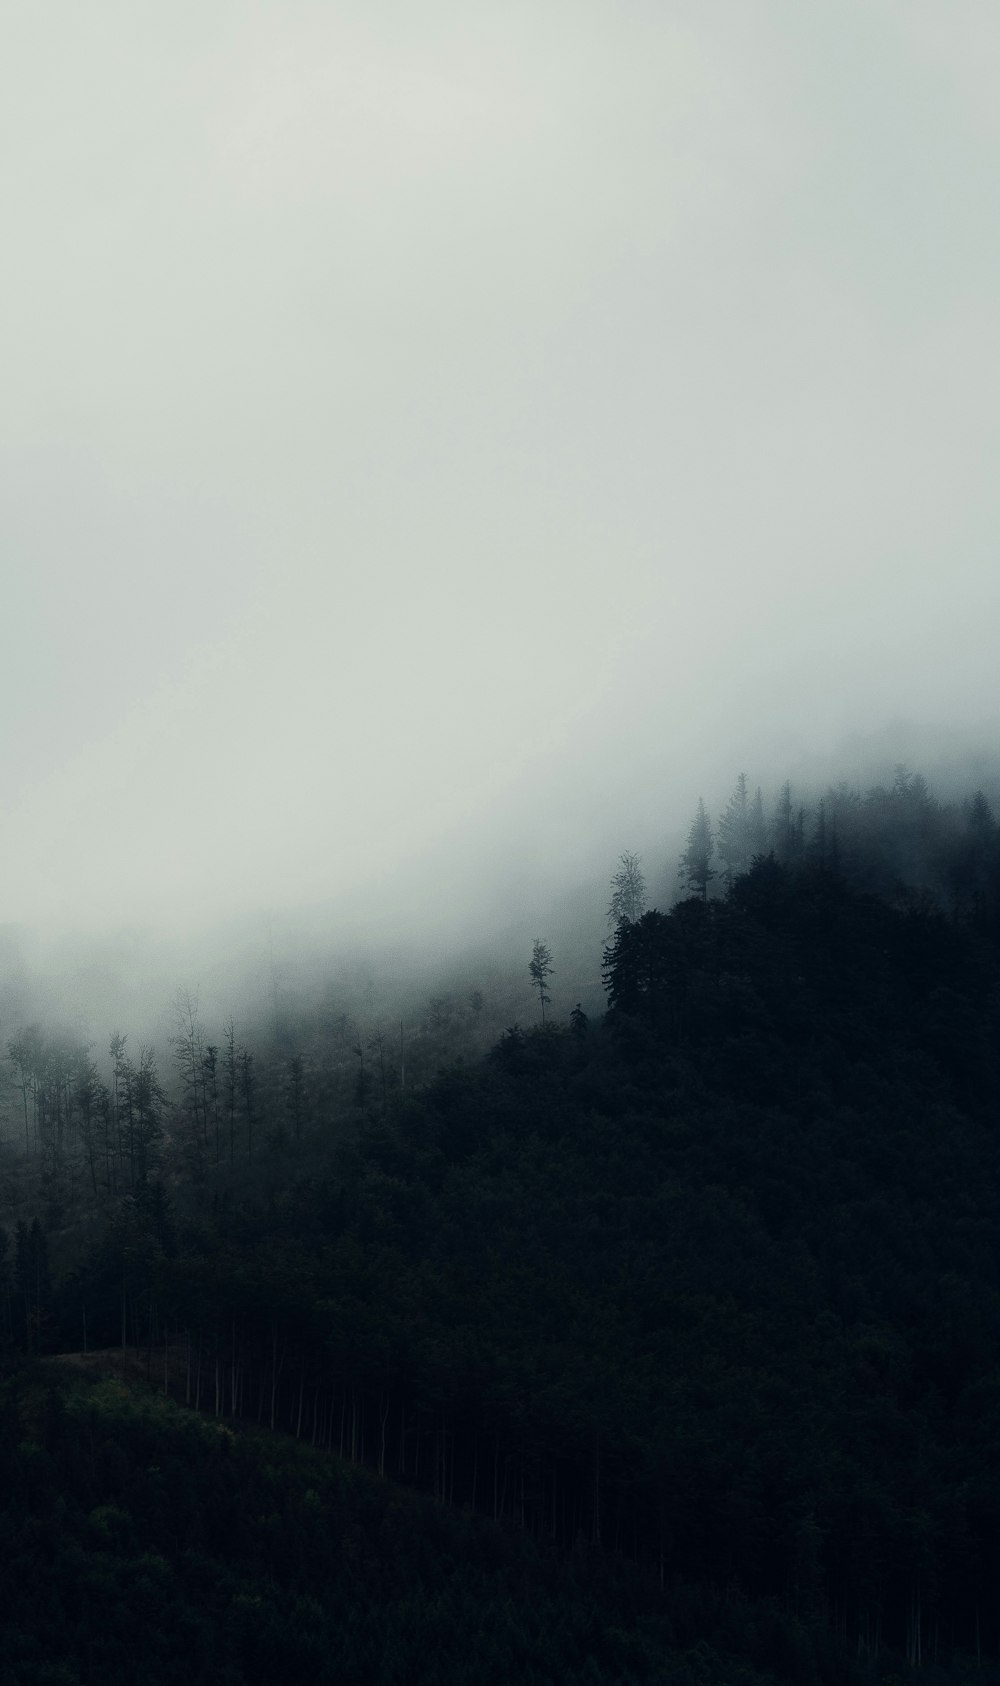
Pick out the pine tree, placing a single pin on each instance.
(819, 847)
(248, 1085)
(757, 836)
(784, 831)
(146, 1101)
(741, 831)
(540, 968)
(694, 866)
(229, 1061)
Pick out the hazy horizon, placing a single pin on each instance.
(438, 449)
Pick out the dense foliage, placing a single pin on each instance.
(144, 1546)
(709, 1291)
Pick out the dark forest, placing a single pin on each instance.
(661, 1344)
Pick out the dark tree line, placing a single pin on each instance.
(710, 1286)
(895, 841)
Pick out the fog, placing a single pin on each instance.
(439, 445)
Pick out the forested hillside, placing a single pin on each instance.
(695, 1305)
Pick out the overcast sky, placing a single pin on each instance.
(400, 404)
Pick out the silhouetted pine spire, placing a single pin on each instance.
(694, 869)
(742, 830)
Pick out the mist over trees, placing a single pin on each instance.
(540, 969)
(694, 870)
(704, 1287)
(628, 889)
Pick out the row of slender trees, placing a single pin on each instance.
(71, 1117)
(112, 1128)
(891, 840)
(558, 1287)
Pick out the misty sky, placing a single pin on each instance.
(404, 405)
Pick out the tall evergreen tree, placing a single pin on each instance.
(735, 832)
(819, 847)
(540, 968)
(694, 866)
(786, 835)
(757, 833)
(146, 1103)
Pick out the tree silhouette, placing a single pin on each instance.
(540, 968)
(628, 890)
(742, 832)
(694, 868)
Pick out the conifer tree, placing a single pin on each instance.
(19, 1055)
(229, 1061)
(757, 838)
(540, 968)
(784, 830)
(146, 1102)
(742, 830)
(248, 1085)
(819, 846)
(694, 865)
